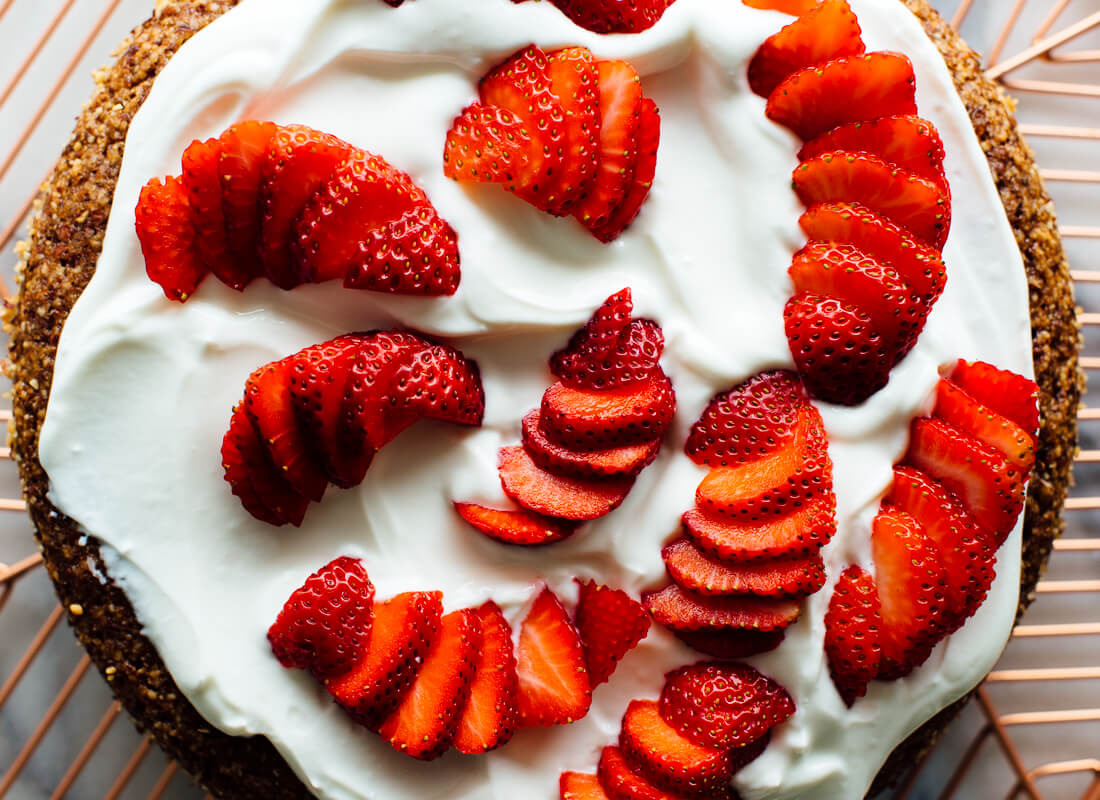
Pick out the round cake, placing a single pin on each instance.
(172, 586)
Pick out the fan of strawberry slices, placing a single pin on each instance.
(599, 426)
(293, 205)
(568, 133)
(427, 681)
(954, 499)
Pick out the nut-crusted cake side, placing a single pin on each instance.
(66, 237)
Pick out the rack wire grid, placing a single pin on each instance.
(1034, 728)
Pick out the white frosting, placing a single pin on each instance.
(143, 387)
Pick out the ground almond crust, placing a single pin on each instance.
(65, 241)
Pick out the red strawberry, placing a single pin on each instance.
(621, 782)
(417, 253)
(598, 336)
(976, 473)
(489, 719)
(634, 358)
(641, 179)
(693, 570)
(853, 627)
(516, 527)
(1008, 394)
(614, 16)
(918, 264)
(436, 382)
(240, 167)
(489, 144)
(620, 98)
(402, 634)
(299, 160)
(610, 623)
(617, 462)
(553, 681)
(896, 193)
(593, 420)
(166, 230)
(204, 191)
(747, 422)
(573, 79)
(911, 584)
(668, 759)
(262, 489)
(795, 535)
(846, 89)
(723, 706)
(681, 610)
(827, 31)
(555, 495)
(731, 644)
(325, 626)
(580, 786)
(958, 408)
(840, 355)
(793, 7)
(425, 722)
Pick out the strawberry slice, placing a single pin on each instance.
(417, 253)
(593, 420)
(731, 644)
(261, 488)
(688, 566)
(911, 580)
(166, 229)
(918, 264)
(621, 782)
(325, 626)
(681, 610)
(1008, 394)
(204, 191)
(747, 422)
(299, 160)
(840, 355)
(641, 178)
(553, 681)
(853, 627)
(827, 31)
(489, 144)
(574, 79)
(958, 408)
(489, 719)
(896, 193)
(555, 495)
(516, 527)
(667, 758)
(613, 16)
(620, 101)
(634, 358)
(240, 166)
(610, 623)
(819, 98)
(723, 706)
(424, 725)
(434, 381)
(793, 7)
(598, 336)
(403, 632)
(976, 473)
(796, 535)
(616, 462)
(580, 786)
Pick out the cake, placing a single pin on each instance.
(171, 585)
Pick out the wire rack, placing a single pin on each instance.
(1034, 730)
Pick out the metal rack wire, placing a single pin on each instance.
(1034, 730)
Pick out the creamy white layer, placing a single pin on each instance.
(143, 387)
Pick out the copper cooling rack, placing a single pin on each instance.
(1035, 728)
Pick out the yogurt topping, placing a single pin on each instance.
(143, 387)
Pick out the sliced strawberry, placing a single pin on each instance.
(553, 681)
(621, 782)
(365, 407)
(598, 336)
(489, 144)
(846, 89)
(911, 583)
(620, 98)
(840, 355)
(434, 381)
(827, 31)
(516, 527)
(796, 535)
(580, 786)
(1010, 395)
(853, 627)
(614, 16)
(955, 406)
(666, 757)
(593, 420)
(402, 634)
(610, 623)
(262, 489)
(723, 706)
(491, 713)
(166, 229)
(574, 79)
(416, 253)
(896, 193)
(617, 462)
(634, 358)
(693, 570)
(298, 162)
(793, 7)
(919, 265)
(555, 495)
(204, 191)
(240, 167)
(425, 722)
(976, 473)
(325, 626)
(681, 610)
(731, 644)
(641, 179)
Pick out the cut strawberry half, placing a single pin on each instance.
(613, 16)
(616, 462)
(797, 535)
(827, 31)
(619, 779)
(489, 144)
(693, 570)
(1010, 395)
(610, 623)
(425, 722)
(261, 488)
(204, 191)
(641, 178)
(681, 610)
(594, 420)
(169, 243)
(842, 90)
(240, 166)
(731, 644)
(853, 628)
(490, 716)
(955, 406)
(417, 253)
(906, 198)
(555, 495)
(553, 680)
(574, 79)
(523, 528)
(580, 786)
